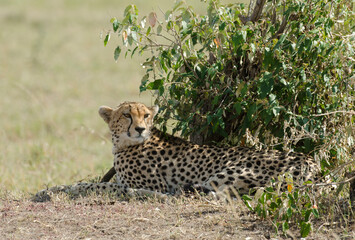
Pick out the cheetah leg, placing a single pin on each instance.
(79, 189)
(44, 195)
(82, 189)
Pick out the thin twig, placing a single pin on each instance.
(336, 170)
(161, 35)
(325, 114)
(335, 112)
(151, 41)
(328, 184)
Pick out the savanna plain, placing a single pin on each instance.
(54, 74)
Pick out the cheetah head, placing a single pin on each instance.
(129, 123)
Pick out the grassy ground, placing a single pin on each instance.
(92, 218)
(54, 74)
(99, 217)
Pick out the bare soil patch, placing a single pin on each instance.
(182, 218)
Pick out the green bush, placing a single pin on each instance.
(221, 73)
(294, 206)
(278, 73)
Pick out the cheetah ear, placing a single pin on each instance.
(105, 113)
(154, 110)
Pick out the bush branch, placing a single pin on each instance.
(254, 17)
(328, 184)
(335, 112)
(283, 25)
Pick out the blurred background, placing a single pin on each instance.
(54, 74)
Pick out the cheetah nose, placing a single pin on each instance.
(140, 129)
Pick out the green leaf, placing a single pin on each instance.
(128, 9)
(215, 100)
(107, 38)
(246, 200)
(113, 19)
(115, 25)
(194, 38)
(144, 81)
(266, 83)
(244, 90)
(252, 109)
(238, 107)
(222, 26)
(285, 226)
(289, 213)
(148, 30)
(186, 16)
(156, 84)
(117, 52)
(267, 116)
(305, 229)
(209, 119)
(268, 57)
(281, 40)
(130, 39)
(134, 50)
(307, 215)
(238, 40)
(159, 29)
(315, 212)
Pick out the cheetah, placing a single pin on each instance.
(148, 161)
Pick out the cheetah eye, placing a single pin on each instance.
(127, 115)
(146, 115)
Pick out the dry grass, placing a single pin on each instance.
(99, 217)
(95, 218)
